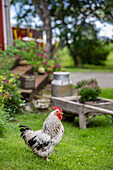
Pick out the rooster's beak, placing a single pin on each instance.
(61, 113)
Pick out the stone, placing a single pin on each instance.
(41, 70)
(23, 62)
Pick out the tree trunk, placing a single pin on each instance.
(43, 12)
(75, 60)
(74, 55)
(49, 48)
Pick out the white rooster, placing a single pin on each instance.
(43, 141)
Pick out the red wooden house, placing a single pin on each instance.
(7, 34)
(5, 28)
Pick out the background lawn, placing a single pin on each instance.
(90, 148)
(67, 63)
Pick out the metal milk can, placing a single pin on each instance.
(61, 85)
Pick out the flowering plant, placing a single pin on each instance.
(6, 60)
(86, 82)
(88, 90)
(36, 56)
(10, 98)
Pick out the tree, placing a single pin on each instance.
(42, 9)
(92, 51)
(27, 10)
(76, 20)
(73, 19)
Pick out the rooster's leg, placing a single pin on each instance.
(47, 159)
(34, 151)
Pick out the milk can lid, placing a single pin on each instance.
(61, 75)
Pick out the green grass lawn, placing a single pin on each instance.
(80, 149)
(107, 93)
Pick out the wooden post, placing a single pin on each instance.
(82, 121)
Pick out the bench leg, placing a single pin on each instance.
(82, 121)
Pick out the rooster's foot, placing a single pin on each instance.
(47, 159)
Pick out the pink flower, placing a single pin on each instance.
(44, 62)
(56, 65)
(9, 95)
(1, 94)
(45, 51)
(58, 55)
(46, 57)
(6, 81)
(5, 74)
(54, 59)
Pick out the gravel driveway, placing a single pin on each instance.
(105, 80)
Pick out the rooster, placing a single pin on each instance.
(43, 141)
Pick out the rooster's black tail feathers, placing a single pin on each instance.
(23, 129)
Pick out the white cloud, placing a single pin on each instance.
(106, 29)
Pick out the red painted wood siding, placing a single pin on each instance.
(1, 27)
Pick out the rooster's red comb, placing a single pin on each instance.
(57, 107)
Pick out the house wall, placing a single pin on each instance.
(1, 26)
(5, 28)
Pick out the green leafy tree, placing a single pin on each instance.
(70, 20)
(91, 51)
(76, 22)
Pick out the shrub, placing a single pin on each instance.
(92, 51)
(86, 82)
(6, 60)
(10, 97)
(36, 56)
(88, 90)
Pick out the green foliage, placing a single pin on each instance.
(36, 56)
(73, 20)
(106, 67)
(4, 125)
(76, 23)
(24, 13)
(10, 98)
(88, 90)
(6, 60)
(66, 59)
(91, 51)
(86, 82)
